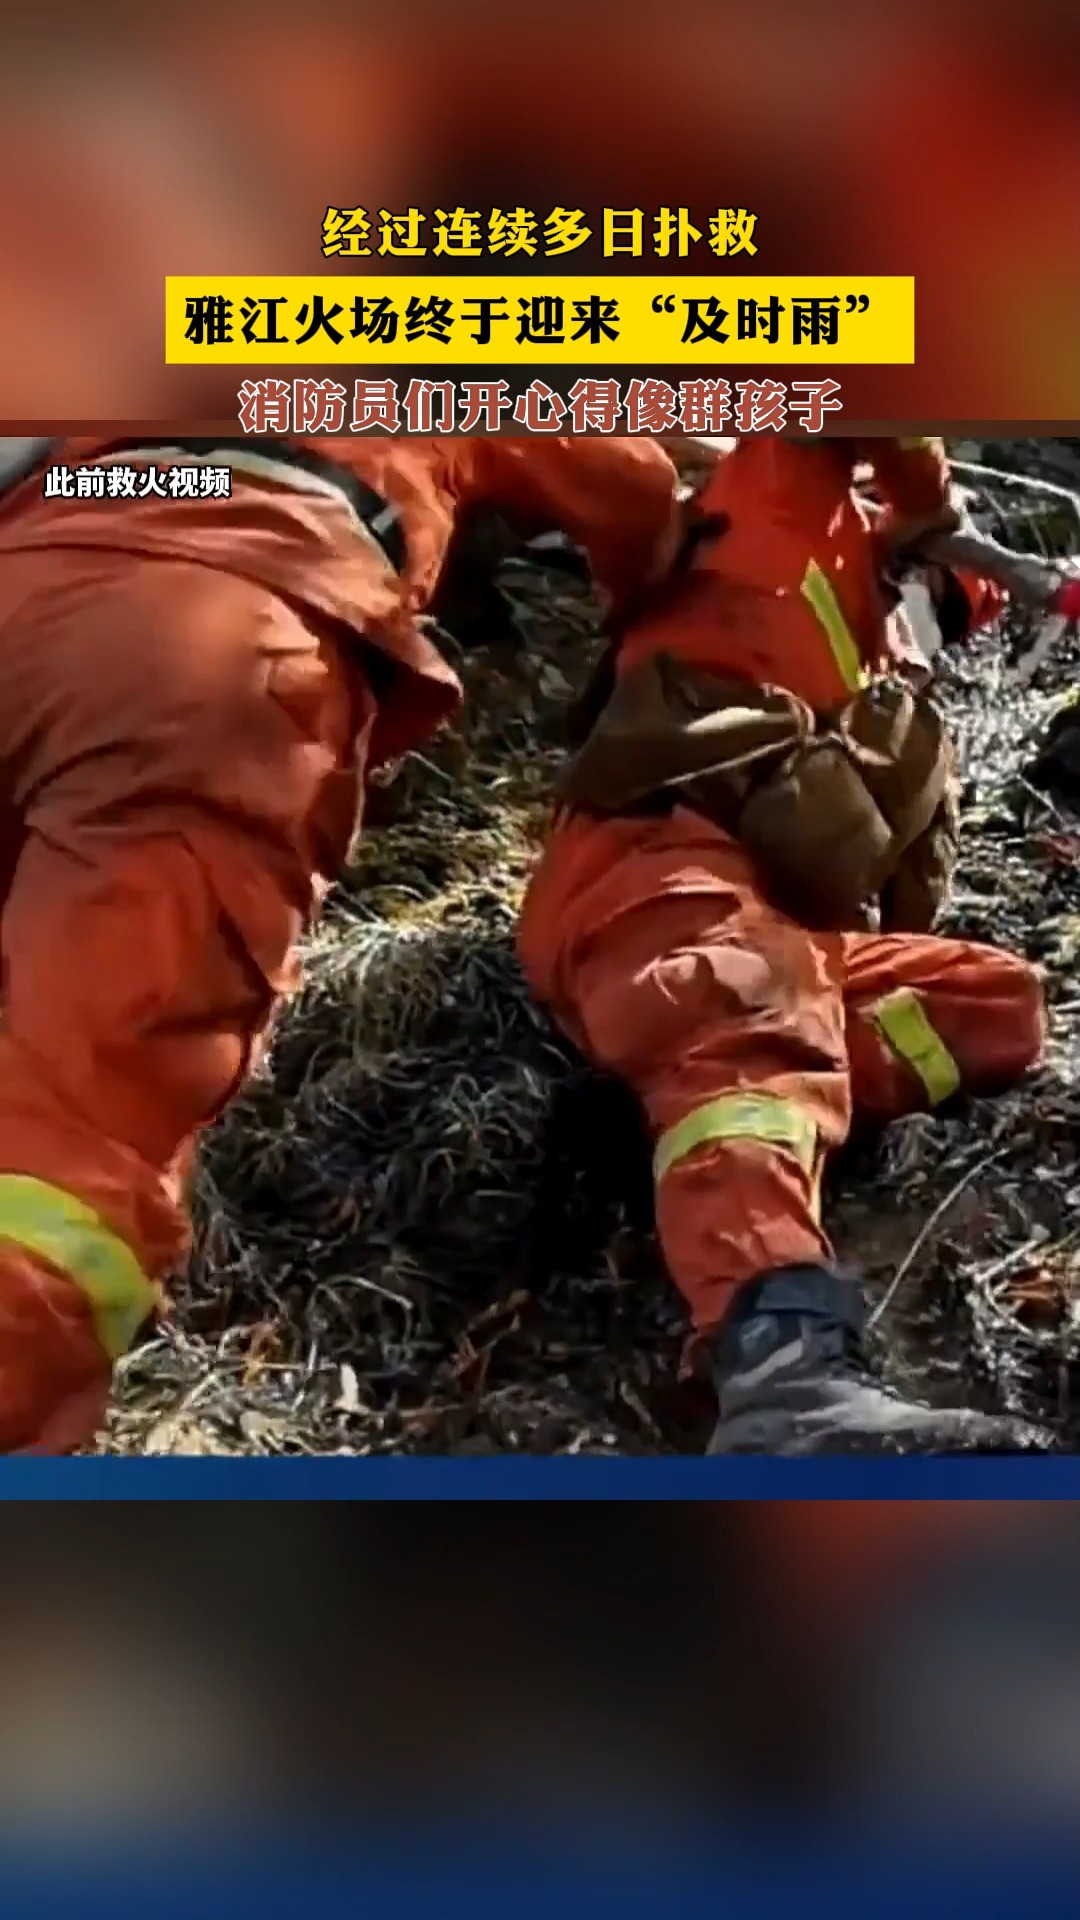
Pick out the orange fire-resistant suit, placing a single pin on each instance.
(750, 1041)
(191, 694)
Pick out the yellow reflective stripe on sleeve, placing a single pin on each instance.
(902, 1021)
(764, 1117)
(58, 1228)
(818, 591)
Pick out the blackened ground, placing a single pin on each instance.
(427, 1230)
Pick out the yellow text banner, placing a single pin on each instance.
(501, 320)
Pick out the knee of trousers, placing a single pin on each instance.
(948, 1041)
(1016, 1033)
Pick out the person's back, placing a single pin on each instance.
(197, 683)
(786, 592)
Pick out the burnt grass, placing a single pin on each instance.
(427, 1226)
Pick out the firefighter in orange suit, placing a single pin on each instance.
(193, 692)
(750, 1041)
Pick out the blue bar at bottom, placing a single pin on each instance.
(623, 1880)
(511, 1477)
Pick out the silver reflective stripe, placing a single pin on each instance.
(280, 473)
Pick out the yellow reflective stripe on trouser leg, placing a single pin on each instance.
(763, 1117)
(902, 1021)
(817, 589)
(58, 1228)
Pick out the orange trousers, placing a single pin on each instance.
(751, 1043)
(180, 778)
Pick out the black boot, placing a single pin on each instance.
(791, 1378)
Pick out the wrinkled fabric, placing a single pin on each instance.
(617, 499)
(669, 969)
(182, 753)
(192, 693)
(300, 546)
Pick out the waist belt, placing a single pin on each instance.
(278, 460)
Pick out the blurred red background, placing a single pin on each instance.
(943, 142)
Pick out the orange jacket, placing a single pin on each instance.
(617, 498)
(789, 593)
